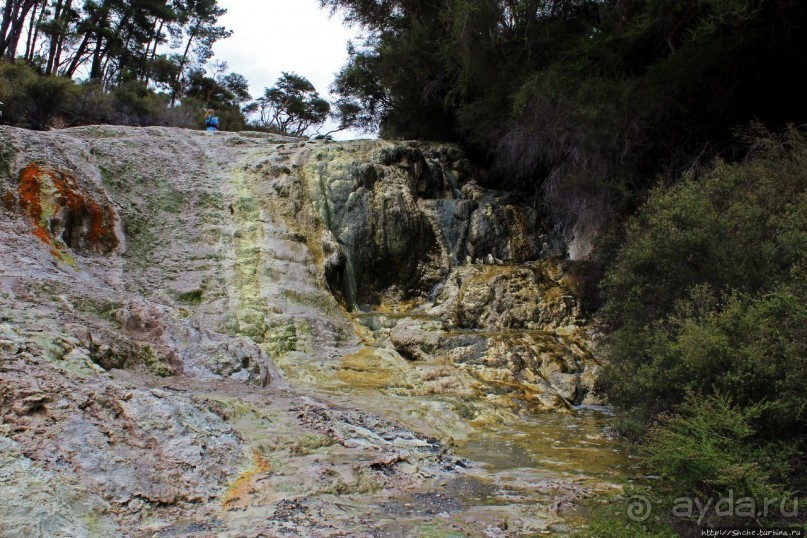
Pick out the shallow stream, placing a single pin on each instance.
(524, 468)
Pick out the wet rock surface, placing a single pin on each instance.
(247, 335)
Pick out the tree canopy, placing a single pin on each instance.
(292, 105)
(589, 99)
(111, 40)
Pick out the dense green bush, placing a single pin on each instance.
(37, 101)
(739, 228)
(706, 303)
(135, 104)
(706, 452)
(27, 98)
(609, 516)
(711, 446)
(91, 104)
(45, 98)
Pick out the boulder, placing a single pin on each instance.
(417, 339)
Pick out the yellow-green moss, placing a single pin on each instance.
(155, 363)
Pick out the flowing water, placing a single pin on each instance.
(525, 472)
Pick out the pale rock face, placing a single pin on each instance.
(41, 503)
(126, 446)
(197, 331)
(192, 348)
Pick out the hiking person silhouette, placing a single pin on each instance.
(211, 120)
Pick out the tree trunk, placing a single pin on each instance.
(54, 37)
(124, 51)
(183, 61)
(17, 27)
(78, 58)
(30, 42)
(96, 56)
(100, 22)
(101, 59)
(152, 53)
(9, 10)
(63, 33)
(15, 12)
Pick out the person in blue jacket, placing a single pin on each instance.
(211, 120)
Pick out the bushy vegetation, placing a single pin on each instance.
(706, 303)
(38, 101)
(31, 99)
(108, 41)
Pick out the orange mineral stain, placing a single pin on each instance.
(44, 190)
(30, 191)
(238, 494)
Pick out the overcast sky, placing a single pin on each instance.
(272, 36)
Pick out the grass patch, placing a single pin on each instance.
(209, 200)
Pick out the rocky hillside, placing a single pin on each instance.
(243, 333)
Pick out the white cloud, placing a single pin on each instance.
(272, 36)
